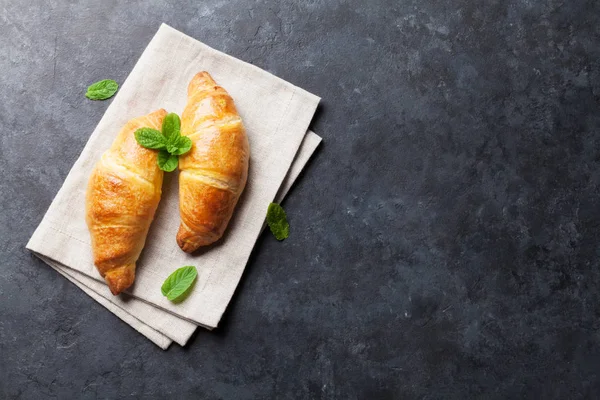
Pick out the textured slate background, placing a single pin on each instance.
(445, 238)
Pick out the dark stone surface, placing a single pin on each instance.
(445, 238)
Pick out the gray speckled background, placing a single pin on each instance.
(445, 237)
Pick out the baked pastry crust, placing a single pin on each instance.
(213, 173)
(122, 196)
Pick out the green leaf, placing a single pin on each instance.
(277, 221)
(167, 162)
(150, 138)
(178, 283)
(181, 146)
(171, 127)
(172, 148)
(102, 90)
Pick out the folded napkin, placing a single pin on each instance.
(276, 115)
(159, 326)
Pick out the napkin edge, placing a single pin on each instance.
(165, 26)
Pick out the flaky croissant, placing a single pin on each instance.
(213, 173)
(122, 196)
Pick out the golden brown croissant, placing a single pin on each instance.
(122, 196)
(214, 172)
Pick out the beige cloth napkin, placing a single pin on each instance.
(162, 327)
(276, 115)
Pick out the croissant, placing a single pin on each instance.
(213, 173)
(122, 195)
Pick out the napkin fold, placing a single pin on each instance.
(276, 115)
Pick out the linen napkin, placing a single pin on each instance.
(276, 115)
(157, 325)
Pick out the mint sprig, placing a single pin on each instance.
(102, 90)
(150, 138)
(171, 126)
(170, 142)
(178, 283)
(182, 145)
(277, 221)
(166, 161)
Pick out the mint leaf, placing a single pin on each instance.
(169, 142)
(167, 162)
(171, 127)
(150, 138)
(277, 221)
(181, 146)
(172, 147)
(102, 90)
(178, 283)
